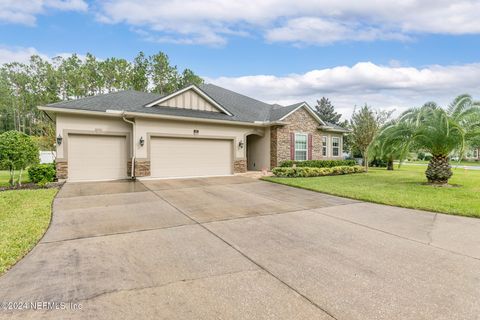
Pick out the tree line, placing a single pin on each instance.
(24, 86)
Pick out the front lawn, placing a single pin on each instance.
(24, 217)
(5, 176)
(402, 187)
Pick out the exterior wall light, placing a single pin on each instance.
(142, 142)
(59, 140)
(240, 144)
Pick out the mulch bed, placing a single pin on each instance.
(31, 186)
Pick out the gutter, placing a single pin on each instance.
(134, 150)
(117, 113)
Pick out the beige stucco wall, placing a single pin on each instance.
(147, 127)
(156, 127)
(259, 151)
(68, 123)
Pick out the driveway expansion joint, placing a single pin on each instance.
(248, 258)
(393, 234)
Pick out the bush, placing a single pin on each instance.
(380, 163)
(42, 173)
(318, 163)
(427, 157)
(289, 172)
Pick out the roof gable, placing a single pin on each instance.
(189, 98)
(306, 107)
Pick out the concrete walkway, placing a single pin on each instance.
(238, 248)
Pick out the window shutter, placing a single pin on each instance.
(292, 146)
(310, 146)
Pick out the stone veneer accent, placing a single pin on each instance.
(142, 168)
(298, 122)
(240, 166)
(62, 169)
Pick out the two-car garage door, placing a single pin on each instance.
(189, 157)
(102, 157)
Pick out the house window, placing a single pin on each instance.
(301, 146)
(335, 146)
(324, 146)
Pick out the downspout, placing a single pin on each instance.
(134, 151)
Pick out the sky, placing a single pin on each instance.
(388, 54)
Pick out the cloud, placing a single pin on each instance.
(18, 54)
(21, 54)
(301, 22)
(312, 30)
(25, 11)
(386, 87)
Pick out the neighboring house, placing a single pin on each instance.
(196, 131)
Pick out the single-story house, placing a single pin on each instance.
(201, 130)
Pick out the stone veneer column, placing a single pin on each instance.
(62, 169)
(240, 166)
(142, 168)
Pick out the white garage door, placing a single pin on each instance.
(183, 157)
(92, 157)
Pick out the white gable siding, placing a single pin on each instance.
(189, 100)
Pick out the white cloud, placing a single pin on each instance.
(301, 21)
(25, 11)
(21, 54)
(380, 86)
(312, 30)
(18, 54)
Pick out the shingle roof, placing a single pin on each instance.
(127, 100)
(242, 108)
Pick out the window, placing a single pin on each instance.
(335, 146)
(301, 146)
(324, 146)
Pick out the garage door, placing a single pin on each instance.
(183, 157)
(99, 157)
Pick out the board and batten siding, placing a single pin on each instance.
(189, 100)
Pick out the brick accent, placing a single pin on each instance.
(240, 166)
(298, 122)
(142, 168)
(62, 169)
(273, 147)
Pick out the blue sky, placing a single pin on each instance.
(354, 52)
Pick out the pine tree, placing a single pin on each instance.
(326, 111)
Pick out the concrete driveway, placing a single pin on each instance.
(238, 248)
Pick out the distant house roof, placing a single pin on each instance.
(240, 107)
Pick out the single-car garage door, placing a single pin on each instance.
(97, 157)
(187, 157)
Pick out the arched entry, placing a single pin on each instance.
(256, 152)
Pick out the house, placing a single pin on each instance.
(196, 131)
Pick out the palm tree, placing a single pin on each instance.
(387, 147)
(438, 131)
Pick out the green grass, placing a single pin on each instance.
(5, 176)
(24, 217)
(402, 187)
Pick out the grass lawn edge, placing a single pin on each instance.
(360, 198)
(34, 245)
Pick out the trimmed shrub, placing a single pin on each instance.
(303, 172)
(318, 163)
(42, 173)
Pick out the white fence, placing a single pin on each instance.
(47, 156)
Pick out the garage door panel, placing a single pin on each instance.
(97, 157)
(186, 157)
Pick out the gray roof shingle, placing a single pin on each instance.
(242, 108)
